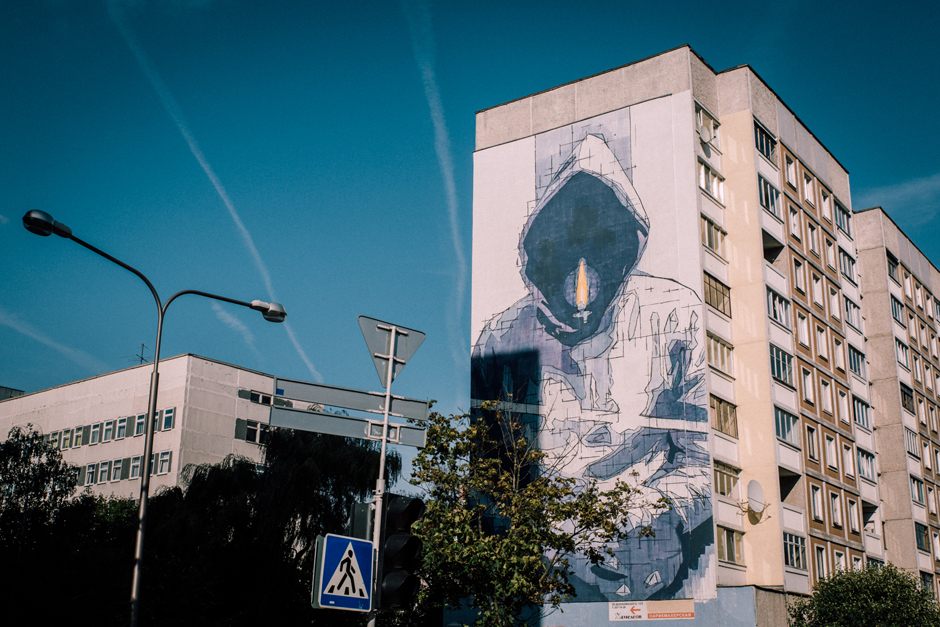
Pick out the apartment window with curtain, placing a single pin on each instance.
(717, 295)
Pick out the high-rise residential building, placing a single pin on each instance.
(665, 287)
(206, 410)
(903, 321)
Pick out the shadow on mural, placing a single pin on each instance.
(608, 362)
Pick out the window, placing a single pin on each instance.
(135, 467)
(791, 170)
(79, 434)
(811, 444)
(165, 458)
(830, 254)
(787, 426)
(709, 181)
(835, 508)
(838, 354)
(916, 368)
(893, 269)
(168, 418)
(726, 480)
(256, 432)
(778, 307)
(840, 558)
(844, 407)
(831, 456)
(826, 204)
(713, 237)
(799, 280)
(702, 118)
(848, 460)
(822, 568)
(926, 582)
(139, 424)
(809, 394)
(918, 297)
(854, 525)
(910, 442)
(794, 551)
(816, 502)
(817, 290)
(907, 399)
(121, 428)
(847, 265)
(781, 365)
(719, 353)
(843, 218)
(95, 434)
(813, 238)
(861, 412)
(920, 534)
(897, 311)
(866, 465)
(822, 343)
(920, 412)
(856, 361)
(90, 472)
(853, 314)
(834, 303)
(718, 295)
(104, 472)
(54, 439)
(729, 545)
(931, 498)
(928, 376)
(923, 336)
(856, 562)
(907, 286)
(769, 196)
(116, 470)
(900, 349)
(108, 434)
(724, 416)
(795, 229)
(825, 395)
(765, 142)
(933, 423)
(809, 189)
(66, 441)
(925, 454)
(802, 329)
(917, 490)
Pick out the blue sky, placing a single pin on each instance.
(329, 147)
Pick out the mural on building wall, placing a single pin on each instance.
(608, 362)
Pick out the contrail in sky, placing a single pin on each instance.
(79, 357)
(172, 108)
(422, 40)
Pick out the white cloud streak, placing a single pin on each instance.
(418, 15)
(74, 355)
(236, 325)
(173, 109)
(914, 203)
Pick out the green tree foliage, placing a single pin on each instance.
(235, 546)
(501, 523)
(874, 597)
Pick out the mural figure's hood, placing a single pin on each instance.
(585, 236)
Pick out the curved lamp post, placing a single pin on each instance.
(41, 223)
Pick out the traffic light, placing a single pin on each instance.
(399, 552)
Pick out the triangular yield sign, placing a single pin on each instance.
(377, 335)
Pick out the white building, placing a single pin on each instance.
(206, 410)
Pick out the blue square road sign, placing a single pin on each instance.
(343, 576)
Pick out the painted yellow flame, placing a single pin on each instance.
(582, 290)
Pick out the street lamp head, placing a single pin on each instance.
(272, 312)
(41, 223)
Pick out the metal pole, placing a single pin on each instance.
(380, 482)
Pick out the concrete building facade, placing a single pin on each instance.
(903, 322)
(206, 411)
(665, 286)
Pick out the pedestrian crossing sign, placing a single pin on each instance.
(342, 578)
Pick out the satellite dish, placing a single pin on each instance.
(705, 133)
(755, 497)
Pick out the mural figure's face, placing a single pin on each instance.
(579, 250)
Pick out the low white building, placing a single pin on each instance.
(206, 410)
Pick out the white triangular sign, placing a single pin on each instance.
(347, 579)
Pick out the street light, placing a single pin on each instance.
(41, 223)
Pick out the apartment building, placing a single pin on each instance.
(206, 410)
(666, 287)
(903, 322)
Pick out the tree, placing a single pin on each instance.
(878, 596)
(501, 524)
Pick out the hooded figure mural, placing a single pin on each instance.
(608, 364)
